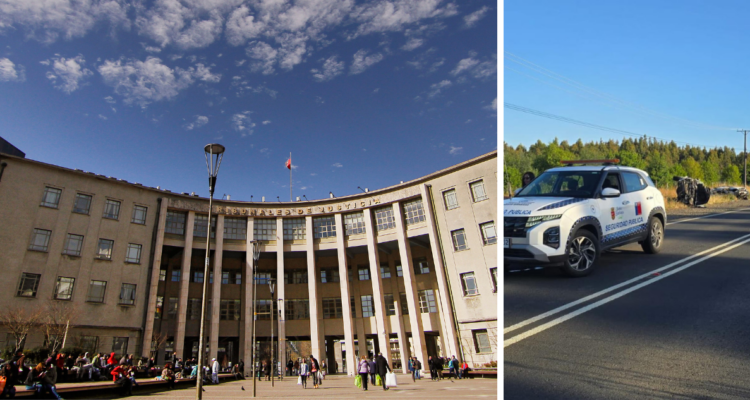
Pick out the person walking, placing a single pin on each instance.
(373, 370)
(289, 367)
(439, 367)
(215, 371)
(304, 371)
(417, 368)
(431, 365)
(382, 368)
(364, 370)
(267, 369)
(296, 367)
(453, 367)
(314, 370)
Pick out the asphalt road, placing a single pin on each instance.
(674, 325)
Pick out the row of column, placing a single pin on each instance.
(316, 336)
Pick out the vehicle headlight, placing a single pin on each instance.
(551, 237)
(534, 221)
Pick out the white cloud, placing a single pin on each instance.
(266, 122)
(185, 24)
(454, 150)
(102, 117)
(264, 57)
(362, 61)
(476, 68)
(319, 100)
(412, 44)
(472, 18)
(468, 121)
(394, 15)
(492, 106)
(331, 69)
(151, 49)
(264, 150)
(243, 123)
(337, 165)
(110, 100)
(463, 65)
(10, 72)
(200, 120)
(313, 174)
(70, 73)
(436, 88)
(204, 74)
(376, 90)
(240, 62)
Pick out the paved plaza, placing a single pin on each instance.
(335, 387)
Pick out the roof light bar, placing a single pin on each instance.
(584, 162)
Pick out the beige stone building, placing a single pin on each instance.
(415, 265)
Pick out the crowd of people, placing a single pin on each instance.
(456, 368)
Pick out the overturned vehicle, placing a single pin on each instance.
(691, 191)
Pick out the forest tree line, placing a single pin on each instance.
(662, 160)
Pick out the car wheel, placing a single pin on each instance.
(655, 238)
(582, 253)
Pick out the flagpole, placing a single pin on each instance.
(290, 176)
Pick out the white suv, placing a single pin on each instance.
(569, 215)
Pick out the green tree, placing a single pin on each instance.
(551, 157)
(692, 168)
(658, 168)
(512, 176)
(710, 172)
(631, 159)
(731, 174)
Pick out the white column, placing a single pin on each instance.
(216, 293)
(247, 306)
(447, 317)
(403, 341)
(148, 331)
(278, 307)
(316, 339)
(410, 285)
(383, 327)
(187, 253)
(351, 362)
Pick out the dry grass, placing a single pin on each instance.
(670, 199)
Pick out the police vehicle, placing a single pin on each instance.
(568, 215)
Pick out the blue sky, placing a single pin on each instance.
(676, 70)
(361, 93)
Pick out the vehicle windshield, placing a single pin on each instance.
(563, 184)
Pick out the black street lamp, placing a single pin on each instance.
(273, 364)
(214, 155)
(256, 254)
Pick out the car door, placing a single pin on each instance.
(642, 202)
(618, 213)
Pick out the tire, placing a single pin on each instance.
(582, 252)
(655, 238)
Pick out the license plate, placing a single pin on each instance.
(507, 242)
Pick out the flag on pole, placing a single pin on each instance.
(289, 163)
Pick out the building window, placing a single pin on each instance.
(127, 294)
(235, 228)
(330, 275)
(51, 197)
(162, 275)
(354, 223)
(352, 307)
(73, 244)
(197, 277)
(230, 310)
(172, 308)
(263, 309)
(139, 215)
(385, 271)
(493, 275)
(427, 301)
(367, 309)
(477, 191)
(225, 277)
(176, 273)
(332, 308)
(488, 232)
(350, 273)
(89, 343)
(194, 309)
(413, 212)
(40, 240)
(133, 255)
(459, 240)
(297, 309)
(469, 284)
(264, 229)
(120, 345)
(175, 223)
(238, 278)
(451, 202)
(384, 219)
(263, 278)
(82, 204)
(64, 288)
(404, 304)
(200, 226)
(29, 284)
(97, 289)
(364, 273)
(112, 209)
(390, 306)
(324, 227)
(399, 271)
(104, 251)
(295, 277)
(421, 266)
(159, 307)
(294, 229)
(481, 341)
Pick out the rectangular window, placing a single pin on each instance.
(294, 229)
(112, 209)
(82, 204)
(200, 226)
(230, 310)
(330, 275)
(385, 270)
(324, 227)
(235, 228)
(493, 275)
(384, 219)
(197, 276)
(263, 308)
(238, 278)
(172, 308)
(40, 240)
(159, 307)
(367, 309)
(399, 271)
(263, 278)
(352, 307)
(459, 240)
(421, 266)
(104, 250)
(175, 223)
(133, 255)
(97, 289)
(264, 229)
(194, 309)
(481, 341)
(364, 273)
(297, 309)
(296, 277)
(404, 304)
(225, 277)
(176, 273)
(162, 275)
(488, 232)
(120, 345)
(477, 191)
(89, 343)
(390, 306)
(127, 294)
(332, 308)
(64, 288)
(451, 202)
(139, 214)
(354, 223)
(413, 212)
(73, 244)
(427, 301)
(51, 197)
(469, 284)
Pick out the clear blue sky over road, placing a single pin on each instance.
(362, 93)
(677, 70)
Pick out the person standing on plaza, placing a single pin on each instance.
(289, 367)
(417, 368)
(382, 367)
(439, 367)
(214, 371)
(431, 365)
(296, 367)
(364, 370)
(267, 369)
(453, 367)
(242, 367)
(373, 370)
(410, 368)
(304, 371)
(314, 369)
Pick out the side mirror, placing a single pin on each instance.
(610, 192)
(515, 192)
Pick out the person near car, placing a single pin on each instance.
(527, 178)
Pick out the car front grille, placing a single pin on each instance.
(515, 227)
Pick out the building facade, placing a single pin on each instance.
(408, 270)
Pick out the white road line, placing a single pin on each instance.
(615, 296)
(706, 216)
(609, 289)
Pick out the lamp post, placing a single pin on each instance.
(273, 364)
(214, 154)
(256, 255)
